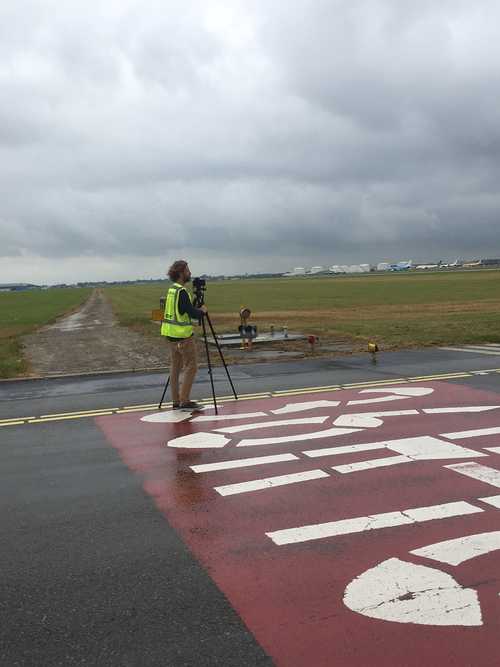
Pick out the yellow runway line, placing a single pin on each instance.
(10, 423)
(300, 392)
(126, 410)
(15, 419)
(375, 383)
(304, 389)
(441, 377)
(79, 413)
(436, 375)
(42, 420)
(146, 405)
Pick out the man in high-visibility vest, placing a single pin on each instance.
(177, 327)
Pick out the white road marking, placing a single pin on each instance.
(376, 521)
(382, 399)
(272, 424)
(243, 463)
(168, 417)
(477, 471)
(475, 433)
(210, 418)
(465, 349)
(397, 394)
(461, 549)
(199, 441)
(370, 419)
(473, 408)
(494, 450)
(401, 391)
(494, 501)
(299, 407)
(269, 482)
(426, 447)
(372, 463)
(331, 451)
(486, 346)
(328, 432)
(421, 448)
(407, 593)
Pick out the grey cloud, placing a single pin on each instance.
(250, 137)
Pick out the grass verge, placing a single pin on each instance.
(24, 312)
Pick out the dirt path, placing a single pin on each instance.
(91, 340)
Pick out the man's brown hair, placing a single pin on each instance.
(176, 269)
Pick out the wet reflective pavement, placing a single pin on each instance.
(304, 528)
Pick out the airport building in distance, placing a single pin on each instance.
(405, 265)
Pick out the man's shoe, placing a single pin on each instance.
(176, 406)
(190, 405)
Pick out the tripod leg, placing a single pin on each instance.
(209, 363)
(164, 392)
(221, 355)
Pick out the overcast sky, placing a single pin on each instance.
(245, 136)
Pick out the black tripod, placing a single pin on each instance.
(199, 287)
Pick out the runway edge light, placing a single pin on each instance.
(373, 349)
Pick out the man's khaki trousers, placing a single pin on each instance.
(183, 357)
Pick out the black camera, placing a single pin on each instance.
(199, 284)
(199, 287)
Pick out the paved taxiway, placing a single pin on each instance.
(92, 572)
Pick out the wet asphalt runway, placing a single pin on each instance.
(91, 573)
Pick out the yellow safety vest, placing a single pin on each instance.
(174, 324)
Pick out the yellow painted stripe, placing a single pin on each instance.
(15, 419)
(444, 377)
(299, 392)
(436, 375)
(62, 417)
(375, 383)
(125, 410)
(303, 389)
(11, 423)
(146, 405)
(485, 370)
(251, 398)
(80, 412)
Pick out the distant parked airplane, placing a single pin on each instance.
(402, 266)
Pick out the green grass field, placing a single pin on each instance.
(397, 310)
(23, 312)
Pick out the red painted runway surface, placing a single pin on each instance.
(291, 595)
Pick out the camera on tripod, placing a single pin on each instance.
(199, 287)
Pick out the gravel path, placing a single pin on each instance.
(91, 340)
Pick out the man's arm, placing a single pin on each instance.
(185, 306)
